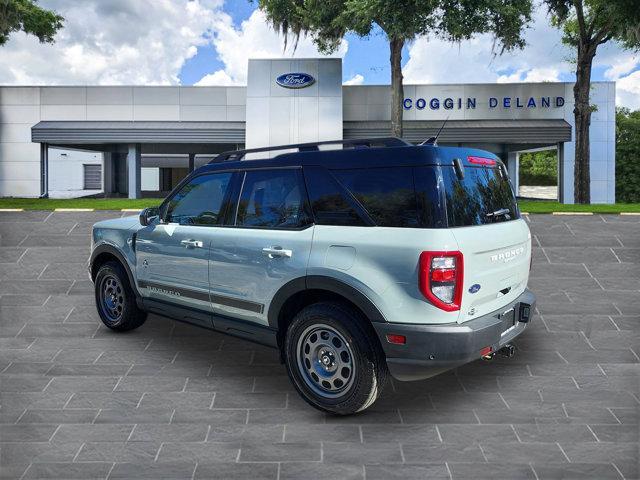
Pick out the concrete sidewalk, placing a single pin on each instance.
(174, 401)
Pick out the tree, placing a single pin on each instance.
(587, 24)
(28, 17)
(627, 156)
(327, 22)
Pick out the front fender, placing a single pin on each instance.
(107, 248)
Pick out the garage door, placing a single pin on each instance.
(92, 177)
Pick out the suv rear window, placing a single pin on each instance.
(475, 199)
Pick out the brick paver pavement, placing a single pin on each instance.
(173, 401)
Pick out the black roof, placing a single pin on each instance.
(396, 152)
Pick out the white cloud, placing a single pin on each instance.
(621, 70)
(531, 75)
(114, 42)
(436, 61)
(628, 91)
(545, 58)
(253, 39)
(219, 78)
(622, 65)
(357, 79)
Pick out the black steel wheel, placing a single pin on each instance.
(115, 299)
(334, 361)
(325, 360)
(112, 298)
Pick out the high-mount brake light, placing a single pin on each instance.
(481, 160)
(441, 278)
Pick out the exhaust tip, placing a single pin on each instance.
(507, 351)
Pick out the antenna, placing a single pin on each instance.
(434, 140)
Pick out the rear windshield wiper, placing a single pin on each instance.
(503, 212)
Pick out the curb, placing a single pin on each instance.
(630, 213)
(11, 209)
(74, 209)
(571, 213)
(131, 209)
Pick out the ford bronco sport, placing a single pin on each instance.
(375, 257)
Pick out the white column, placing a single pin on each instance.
(44, 170)
(561, 173)
(513, 166)
(134, 164)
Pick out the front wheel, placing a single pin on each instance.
(116, 300)
(333, 361)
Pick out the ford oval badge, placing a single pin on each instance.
(295, 80)
(474, 288)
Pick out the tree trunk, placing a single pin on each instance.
(582, 114)
(397, 89)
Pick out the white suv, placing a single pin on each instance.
(375, 257)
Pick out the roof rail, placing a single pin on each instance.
(313, 146)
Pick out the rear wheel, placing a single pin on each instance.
(332, 360)
(116, 300)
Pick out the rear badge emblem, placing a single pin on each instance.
(474, 288)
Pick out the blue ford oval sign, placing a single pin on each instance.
(295, 80)
(474, 288)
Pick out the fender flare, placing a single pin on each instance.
(110, 249)
(320, 282)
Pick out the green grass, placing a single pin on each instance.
(120, 203)
(95, 203)
(533, 206)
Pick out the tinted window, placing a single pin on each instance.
(329, 201)
(430, 202)
(272, 199)
(387, 194)
(200, 202)
(479, 197)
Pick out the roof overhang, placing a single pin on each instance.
(84, 133)
(472, 131)
(546, 132)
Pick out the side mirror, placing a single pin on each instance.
(148, 214)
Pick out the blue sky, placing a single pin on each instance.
(208, 42)
(368, 56)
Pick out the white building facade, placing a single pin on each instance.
(146, 139)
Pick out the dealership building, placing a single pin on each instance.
(142, 140)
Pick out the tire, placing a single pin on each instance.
(115, 299)
(321, 342)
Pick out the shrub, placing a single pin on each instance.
(627, 156)
(539, 168)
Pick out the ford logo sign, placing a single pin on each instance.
(295, 80)
(474, 288)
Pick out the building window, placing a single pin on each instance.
(92, 177)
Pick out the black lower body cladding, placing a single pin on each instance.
(433, 349)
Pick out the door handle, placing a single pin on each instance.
(192, 243)
(273, 252)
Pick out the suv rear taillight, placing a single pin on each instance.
(441, 278)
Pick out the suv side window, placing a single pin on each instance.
(199, 202)
(272, 199)
(330, 203)
(387, 194)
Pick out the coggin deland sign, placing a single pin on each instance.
(302, 80)
(469, 103)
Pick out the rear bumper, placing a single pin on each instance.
(433, 349)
